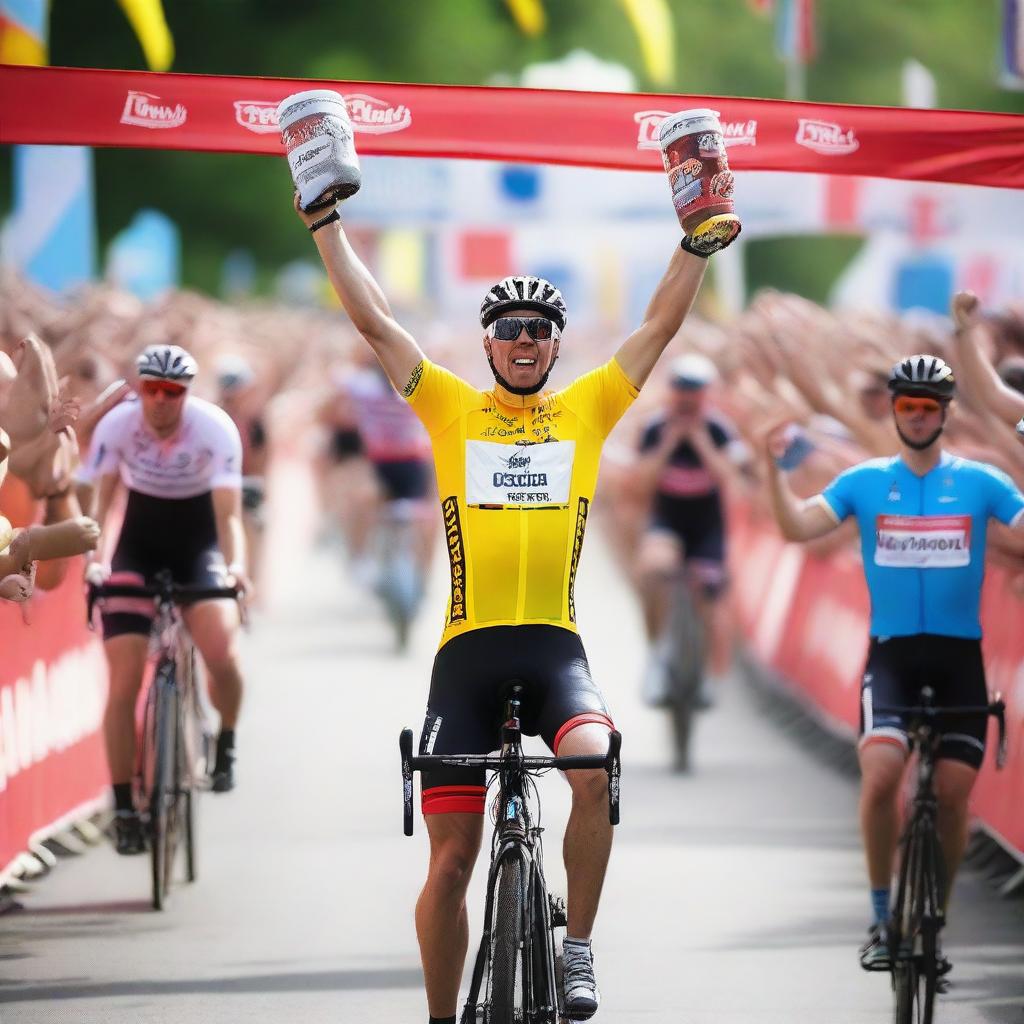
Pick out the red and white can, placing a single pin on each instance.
(693, 150)
(317, 135)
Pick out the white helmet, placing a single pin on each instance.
(234, 373)
(923, 374)
(692, 372)
(523, 292)
(167, 362)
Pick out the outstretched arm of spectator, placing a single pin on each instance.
(364, 301)
(980, 377)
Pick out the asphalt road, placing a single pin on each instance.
(735, 895)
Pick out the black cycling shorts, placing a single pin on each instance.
(345, 444)
(407, 479)
(952, 666)
(177, 534)
(472, 676)
(703, 541)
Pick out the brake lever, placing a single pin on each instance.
(405, 746)
(999, 709)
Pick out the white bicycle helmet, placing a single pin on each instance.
(923, 375)
(167, 362)
(692, 372)
(523, 292)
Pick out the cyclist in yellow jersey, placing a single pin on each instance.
(516, 471)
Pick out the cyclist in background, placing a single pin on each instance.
(235, 384)
(689, 455)
(398, 449)
(179, 458)
(922, 517)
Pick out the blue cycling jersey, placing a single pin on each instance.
(923, 539)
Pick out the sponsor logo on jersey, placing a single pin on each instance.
(923, 542)
(145, 110)
(649, 122)
(826, 137)
(456, 558)
(577, 548)
(519, 475)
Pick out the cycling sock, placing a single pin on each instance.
(123, 797)
(225, 743)
(576, 942)
(443, 1020)
(880, 905)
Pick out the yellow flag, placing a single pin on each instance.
(652, 23)
(147, 18)
(529, 16)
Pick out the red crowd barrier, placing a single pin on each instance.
(53, 689)
(806, 618)
(224, 114)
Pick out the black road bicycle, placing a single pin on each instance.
(685, 667)
(174, 757)
(918, 913)
(517, 973)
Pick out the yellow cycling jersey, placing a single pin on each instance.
(515, 487)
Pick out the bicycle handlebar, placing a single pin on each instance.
(610, 762)
(996, 708)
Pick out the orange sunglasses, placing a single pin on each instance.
(170, 389)
(906, 404)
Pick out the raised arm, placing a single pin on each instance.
(363, 299)
(799, 519)
(980, 377)
(665, 313)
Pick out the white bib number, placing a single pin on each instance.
(923, 542)
(518, 475)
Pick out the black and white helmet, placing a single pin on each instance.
(166, 362)
(923, 374)
(523, 292)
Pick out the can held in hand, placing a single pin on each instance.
(317, 135)
(693, 150)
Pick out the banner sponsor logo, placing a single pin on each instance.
(144, 110)
(367, 113)
(377, 117)
(826, 137)
(257, 116)
(648, 122)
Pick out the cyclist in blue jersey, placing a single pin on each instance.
(922, 517)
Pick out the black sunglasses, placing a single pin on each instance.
(508, 328)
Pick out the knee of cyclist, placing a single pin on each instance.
(451, 868)
(952, 800)
(589, 788)
(879, 787)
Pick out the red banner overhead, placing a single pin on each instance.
(197, 112)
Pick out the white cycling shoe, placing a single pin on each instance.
(582, 995)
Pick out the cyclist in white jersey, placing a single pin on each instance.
(922, 518)
(180, 460)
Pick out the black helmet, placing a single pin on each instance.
(923, 375)
(523, 292)
(166, 362)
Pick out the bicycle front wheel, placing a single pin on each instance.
(506, 1002)
(164, 794)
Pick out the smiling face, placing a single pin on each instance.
(522, 361)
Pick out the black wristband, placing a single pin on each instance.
(323, 221)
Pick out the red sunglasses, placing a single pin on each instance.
(906, 404)
(171, 390)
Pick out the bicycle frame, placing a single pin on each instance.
(515, 837)
(918, 913)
